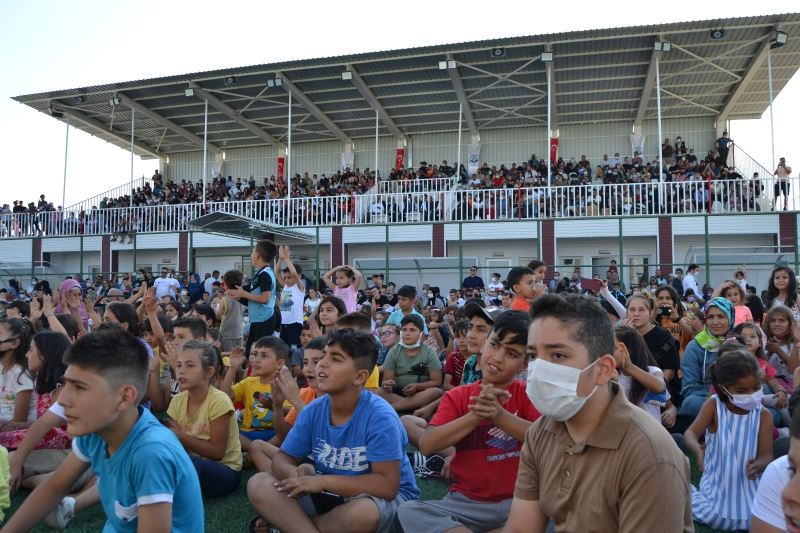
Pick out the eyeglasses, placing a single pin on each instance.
(387, 333)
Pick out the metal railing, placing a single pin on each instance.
(116, 192)
(416, 185)
(521, 203)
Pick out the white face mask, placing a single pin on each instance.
(411, 346)
(553, 389)
(748, 402)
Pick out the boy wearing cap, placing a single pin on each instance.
(481, 322)
(486, 423)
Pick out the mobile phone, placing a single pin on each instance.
(591, 284)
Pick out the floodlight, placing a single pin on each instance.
(189, 92)
(442, 65)
(498, 51)
(716, 34)
(347, 75)
(781, 38)
(662, 46)
(114, 101)
(547, 56)
(230, 80)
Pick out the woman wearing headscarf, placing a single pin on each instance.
(701, 352)
(70, 301)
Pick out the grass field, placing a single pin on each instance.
(232, 513)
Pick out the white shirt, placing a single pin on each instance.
(13, 382)
(767, 503)
(166, 287)
(208, 285)
(291, 305)
(689, 282)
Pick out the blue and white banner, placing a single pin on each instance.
(473, 158)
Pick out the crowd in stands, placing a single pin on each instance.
(150, 393)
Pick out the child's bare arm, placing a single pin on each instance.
(705, 419)
(757, 464)
(437, 438)
(326, 277)
(236, 361)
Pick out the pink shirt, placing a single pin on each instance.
(348, 296)
(743, 314)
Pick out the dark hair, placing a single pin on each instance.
(297, 268)
(209, 356)
(277, 345)
(587, 322)
(23, 307)
(51, 347)
(462, 327)
(22, 330)
(795, 426)
(740, 328)
(335, 301)
(772, 292)
(733, 363)
(407, 291)
(513, 323)
(358, 321)
(317, 343)
(195, 325)
(165, 322)
(115, 354)
(360, 346)
(233, 278)
(266, 250)
(536, 263)
(673, 294)
(69, 323)
(516, 274)
(414, 319)
(126, 314)
(640, 357)
(175, 305)
(693, 266)
(206, 310)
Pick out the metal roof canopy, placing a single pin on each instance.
(600, 76)
(231, 225)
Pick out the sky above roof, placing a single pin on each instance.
(52, 45)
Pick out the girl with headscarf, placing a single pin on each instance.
(70, 300)
(701, 352)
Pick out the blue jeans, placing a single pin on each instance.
(216, 479)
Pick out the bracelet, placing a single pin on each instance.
(50, 315)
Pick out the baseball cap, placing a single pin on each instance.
(474, 308)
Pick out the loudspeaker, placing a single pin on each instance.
(498, 52)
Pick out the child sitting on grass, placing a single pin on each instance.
(267, 356)
(203, 419)
(486, 422)
(146, 480)
(454, 364)
(360, 473)
(412, 374)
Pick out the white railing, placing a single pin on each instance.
(529, 203)
(415, 185)
(116, 192)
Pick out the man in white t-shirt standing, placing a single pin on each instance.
(690, 280)
(166, 286)
(208, 284)
(494, 288)
(291, 299)
(782, 183)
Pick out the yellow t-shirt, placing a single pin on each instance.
(372, 380)
(217, 404)
(5, 488)
(257, 400)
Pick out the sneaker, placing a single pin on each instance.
(425, 467)
(62, 514)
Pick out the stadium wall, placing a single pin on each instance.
(497, 146)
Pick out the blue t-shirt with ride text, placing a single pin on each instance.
(374, 434)
(150, 467)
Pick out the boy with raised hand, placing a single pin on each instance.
(360, 472)
(486, 421)
(145, 478)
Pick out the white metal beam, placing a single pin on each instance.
(232, 114)
(647, 90)
(373, 101)
(103, 129)
(744, 82)
(461, 94)
(155, 117)
(312, 108)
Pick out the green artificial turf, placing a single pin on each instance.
(232, 513)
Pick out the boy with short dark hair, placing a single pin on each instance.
(360, 472)
(454, 364)
(481, 322)
(406, 298)
(486, 422)
(520, 280)
(145, 478)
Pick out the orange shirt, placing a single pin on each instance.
(520, 304)
(308, 395)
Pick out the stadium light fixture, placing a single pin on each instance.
(114, 101)
(716, 34)
(442, 65)
(347, 75)
(547, 57)
(189, 92)
(274, 82)
(230, 80)
(780, 39)
(80, 99)
(662, 46)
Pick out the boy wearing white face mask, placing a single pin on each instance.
(738, 441)
(594, 461)
(412, 373)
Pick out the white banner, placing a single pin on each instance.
(216, 166)
(637, 144)
(348, 160)
(473, 158)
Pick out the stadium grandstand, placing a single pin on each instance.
(576, 148)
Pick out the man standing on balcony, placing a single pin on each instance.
(723, 144)
(782, 183)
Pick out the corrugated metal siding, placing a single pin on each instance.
(18, 251)
(733, 225)
(365, 153)
(257, 161)
(409, 233)
(184, 165)
(490, 231)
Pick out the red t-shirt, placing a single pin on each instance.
(520, 304)
(454, 365)
(485, 465)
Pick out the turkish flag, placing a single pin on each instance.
(553, 150)
(281, 161)
(400, 158)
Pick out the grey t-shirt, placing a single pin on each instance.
(398, 360)
(231, 325)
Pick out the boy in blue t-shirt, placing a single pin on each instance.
(360, 472)
(145, 478)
